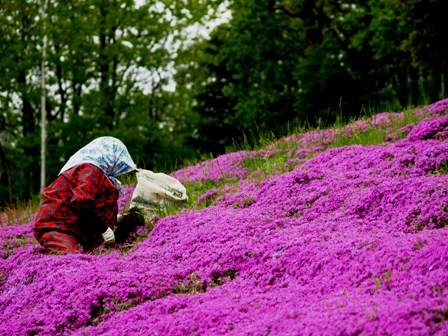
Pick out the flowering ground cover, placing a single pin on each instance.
(339, 240)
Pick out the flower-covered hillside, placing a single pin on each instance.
(346, 240)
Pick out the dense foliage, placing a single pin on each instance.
(349, 240)
(278, 64)
(107, 66)
(112, 66)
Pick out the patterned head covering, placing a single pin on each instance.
(107, 153)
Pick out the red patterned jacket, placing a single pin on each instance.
(80, 200)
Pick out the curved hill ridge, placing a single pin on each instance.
(351, 241)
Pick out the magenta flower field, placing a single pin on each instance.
(350, 240)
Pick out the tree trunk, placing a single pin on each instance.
(107, 66)
(6, 170)
(43, 120)
(442, 86)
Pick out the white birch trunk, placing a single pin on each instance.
(43, 100)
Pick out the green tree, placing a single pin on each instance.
(216, 125)
(108, 65)
(400, 42)
(242, 78)
(19, 65)
(279, 63)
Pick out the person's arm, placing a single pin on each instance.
(87, 214)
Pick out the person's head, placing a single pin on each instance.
(114, 158)
(107, 153)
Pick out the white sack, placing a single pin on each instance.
(157, 191)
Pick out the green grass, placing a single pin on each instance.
(260, 167)
(128, 179)
(265, 166)
(20, 212)
(270, 161)
(371, 135)
(375, 135)
(197, 189)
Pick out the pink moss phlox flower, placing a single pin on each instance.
(438, 108)
(128, 190)
(429, 129)
(353, 241)
(225, 166)
(207, 195)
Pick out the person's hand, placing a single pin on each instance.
(108, 236)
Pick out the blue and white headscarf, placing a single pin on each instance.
(107, 153)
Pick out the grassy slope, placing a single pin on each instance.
(311, 232)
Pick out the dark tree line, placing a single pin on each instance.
(273, 66)
(280, 64)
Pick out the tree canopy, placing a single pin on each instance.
(134, 70)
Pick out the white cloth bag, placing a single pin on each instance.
(157, 191)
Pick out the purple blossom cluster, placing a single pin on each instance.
(352, 242)
(438, 108)
(209, 194)
(125, 198)
(303, 145)
(224, 167)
